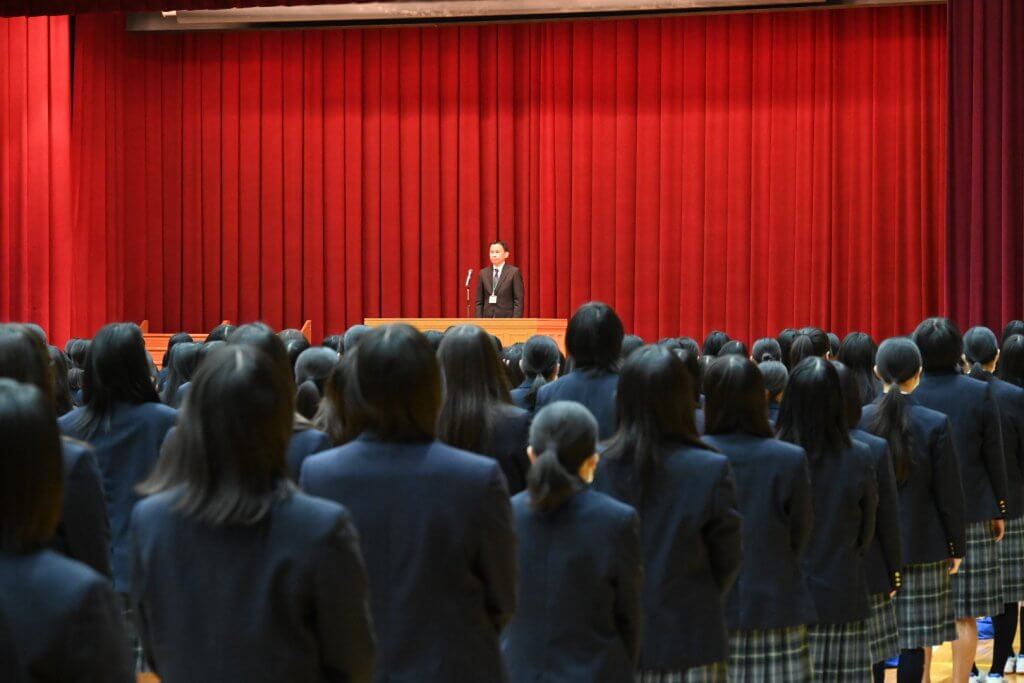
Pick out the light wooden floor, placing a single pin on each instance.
(942, 667)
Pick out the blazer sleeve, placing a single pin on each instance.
(723, 532)
(343, 622)
(496, 557)
(99, 639)
(801, 508)
(517, 294)
(992, 450)
(85, 516)
(481, 294)
(629, 587)
(887, 526)
(868, 509)
(948, 490)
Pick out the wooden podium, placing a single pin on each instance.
(508, 330)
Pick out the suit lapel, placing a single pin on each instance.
(501, 276)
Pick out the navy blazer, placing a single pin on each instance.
(280, 600)
(580, 579)
(1009, 399)
(691, 536)
(773, 487)
(304, 443)
(595, 390)
(64, 618)
(519, 394)
(10, 659)
(974, 418)
(931, 499)
(509, 437)
(83, 533)
(439, 541)
(127, 446)
(884, 559)
(845, 496)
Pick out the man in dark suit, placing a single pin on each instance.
(499, 293)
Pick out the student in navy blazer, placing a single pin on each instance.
(845, 495)
(974, 416)
(981, 356)
(580, 573)
(83, 532)
(931, 504)
(594, 342)
(125, 423)
(884, 560)
(64, 619)
(435, 522)
(686, 498)
(477, 414)
(287, 597)
(540, 364)
(773, 488)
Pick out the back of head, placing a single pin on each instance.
(352, 337)
(857, 352)
(474, 382)
(766, 349)
(220, 333)
(714, 342)
(434, 338)
(294, 348)
(563, 436)
(594, 337)
(1011, 360)
(177, 338)
(733, 347)
(833, 344)
(775, 377)
(184, 359)
(290, 334)
(785, 339)
(812, 412)
(116, 371)
(898, 360)
(312, 368)
(694, 368)
(510, 358)
(1013, 327)
(61, 388)
(655, 406)
(333, 342)
(980, 348)
(78, 351)
(735, 400)
(330, 413)
(262, 337)
(393, 385)
(31, 467)
(38, 331)
(24, 358)
(227, 457)
(940, 344)
(631, 343)
(541, 359)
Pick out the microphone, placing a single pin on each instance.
(469, 276)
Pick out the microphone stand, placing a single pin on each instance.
(469, 278)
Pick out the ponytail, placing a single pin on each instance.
(565, 435)
(892, 422)
(540, 359)
(531, 396)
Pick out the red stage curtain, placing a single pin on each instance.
(986, 198)
(743, 172)
(17, 8)
(35, 173)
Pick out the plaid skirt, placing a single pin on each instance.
(978, 586)
(924, 606)
(1011, 556)
(883, 642)
(776, 655)
(709, 673)
(839, 652)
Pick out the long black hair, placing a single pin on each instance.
(474, 383)
(31, 467)
(811, 414)
(735, 398)
(1011, 360)
(116, 371)
(857, 352)
(852, 405)
(980, 348)
(593, 338)
(1013, 327)
(898, 360)
(226, 459)
(23, 358)
(61, 390)
(563, 436)
(656, 409)
(940, 344)
(540, 361)
(775, 377)
(714, 342)
(184, 359)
